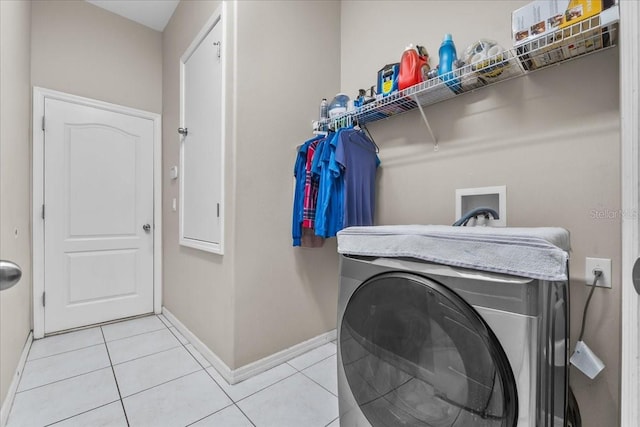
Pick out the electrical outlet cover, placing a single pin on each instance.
(603, 264)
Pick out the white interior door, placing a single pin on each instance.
(98, 201)
(201, 148)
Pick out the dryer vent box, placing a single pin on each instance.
(489, 197)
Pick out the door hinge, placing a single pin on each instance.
(43, 299)
(43, 123)
(217, 44)
(218, 209)
(42, 211)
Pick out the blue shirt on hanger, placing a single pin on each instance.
(329, 212)
(356, 161)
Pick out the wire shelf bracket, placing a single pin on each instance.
(426, 122)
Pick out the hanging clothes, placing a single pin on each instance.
(329, 213)
(335, 185)
(300, 173)
(310, 189)
(309, 237)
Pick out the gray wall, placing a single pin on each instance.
(288, 60)
(81, 49)
(15, 179)
(198, 286)
(551, 137)
(262, 295)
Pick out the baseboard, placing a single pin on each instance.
(233, 376)
(11, 394)
(213, 358)
(259, 366)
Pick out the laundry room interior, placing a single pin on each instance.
(550, 138)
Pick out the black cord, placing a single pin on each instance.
(597, 274)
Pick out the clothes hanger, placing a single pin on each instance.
(364, 127)
(368, 147)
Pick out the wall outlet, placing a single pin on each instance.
(603, 264)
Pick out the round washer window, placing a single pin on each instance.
(415, 354)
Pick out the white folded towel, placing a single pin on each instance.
(538, 253)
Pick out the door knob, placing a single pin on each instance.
(10, 274)
(636, 275)
(146, 227)
(183, 131)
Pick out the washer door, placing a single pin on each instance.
(415, 354)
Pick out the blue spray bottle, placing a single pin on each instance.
(445, 67)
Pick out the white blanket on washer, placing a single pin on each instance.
(538, 253)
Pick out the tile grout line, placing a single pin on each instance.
(81, 413)
(62, 379)
(62, 352)
(313, 364)
(208, 415)
(198, 362)
(136, 335)
(320, 385)
(220, 410)
(264, 388)
(166, 321)
(146, 355)
(313, 380)
(245, 415)
(191, 354)
(162, 383)
(113, 371)
(332, 421)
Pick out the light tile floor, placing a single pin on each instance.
(143, 372)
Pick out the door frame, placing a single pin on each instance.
(39, 97)
(630, 164)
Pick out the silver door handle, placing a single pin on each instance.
(10, 274)
(183, 131)
(146, 228)
(635, 275)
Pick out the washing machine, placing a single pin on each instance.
(426, 344)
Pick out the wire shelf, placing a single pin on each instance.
(582, 38)
(577, 40)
